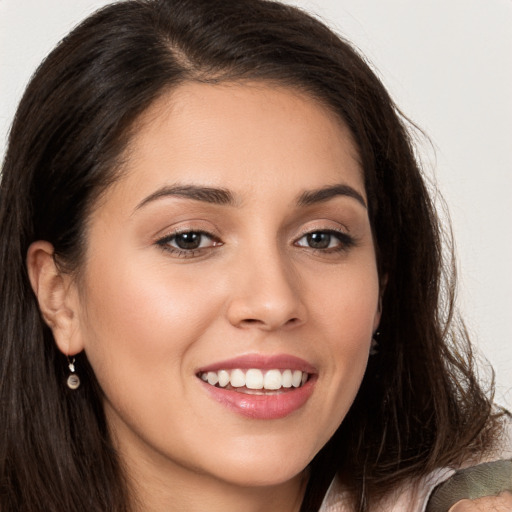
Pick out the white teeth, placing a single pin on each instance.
(273, 379)
(223, 378)
(237, 379)
(256, 379)
(213, 378)
(287, 379)
(296, 378)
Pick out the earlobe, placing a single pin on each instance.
(56, 295)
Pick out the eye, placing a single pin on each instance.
(187, 243)
(189, 240)
(326, 240)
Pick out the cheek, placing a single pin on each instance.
(138, 318)
(347, 315)
(345, 302)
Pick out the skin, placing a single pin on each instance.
(148, 317)
(500, 503)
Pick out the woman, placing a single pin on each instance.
(209, 211)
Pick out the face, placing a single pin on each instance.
(229, 292)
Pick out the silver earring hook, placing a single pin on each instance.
(73, 380)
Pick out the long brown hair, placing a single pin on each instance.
(420, 405)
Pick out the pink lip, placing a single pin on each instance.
(263, 407)
(263, 362)
(273, 405)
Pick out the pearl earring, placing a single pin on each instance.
(73, 381)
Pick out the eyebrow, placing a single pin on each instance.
(323, 194)
(211, 195)
(222, 196)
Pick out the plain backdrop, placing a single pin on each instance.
(448, 65)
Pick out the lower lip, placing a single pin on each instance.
(263, 407)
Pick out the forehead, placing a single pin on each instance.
(241, 135)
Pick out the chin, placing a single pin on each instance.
(263, 477)
(264, 468)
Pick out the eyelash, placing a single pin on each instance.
(346, 242)
(165, 241)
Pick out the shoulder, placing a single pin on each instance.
(409, 497)
(422, 496)
(478, 478)
(483, 485)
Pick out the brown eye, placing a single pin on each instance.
(187, 242)
(319, 240)
(191, 240)
(327, 240)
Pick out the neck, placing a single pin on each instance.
(157, 484)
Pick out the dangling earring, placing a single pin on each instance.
(374, 347)
(73, 381)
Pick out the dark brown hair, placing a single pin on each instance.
(420, 405)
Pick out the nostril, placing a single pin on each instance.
(269, 324)
(262, 312)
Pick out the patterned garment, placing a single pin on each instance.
(488, 479)
(439, 490)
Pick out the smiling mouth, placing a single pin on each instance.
(255, 381)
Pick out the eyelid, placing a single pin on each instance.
(323, 225)
(164, 242)
(190, 225)
(165, 238)
(346, 240)
(322, 229)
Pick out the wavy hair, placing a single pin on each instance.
(420, 405)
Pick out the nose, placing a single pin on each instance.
(266, 294)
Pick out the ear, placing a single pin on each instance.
(57, 297)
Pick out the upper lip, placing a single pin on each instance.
(262, 362)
